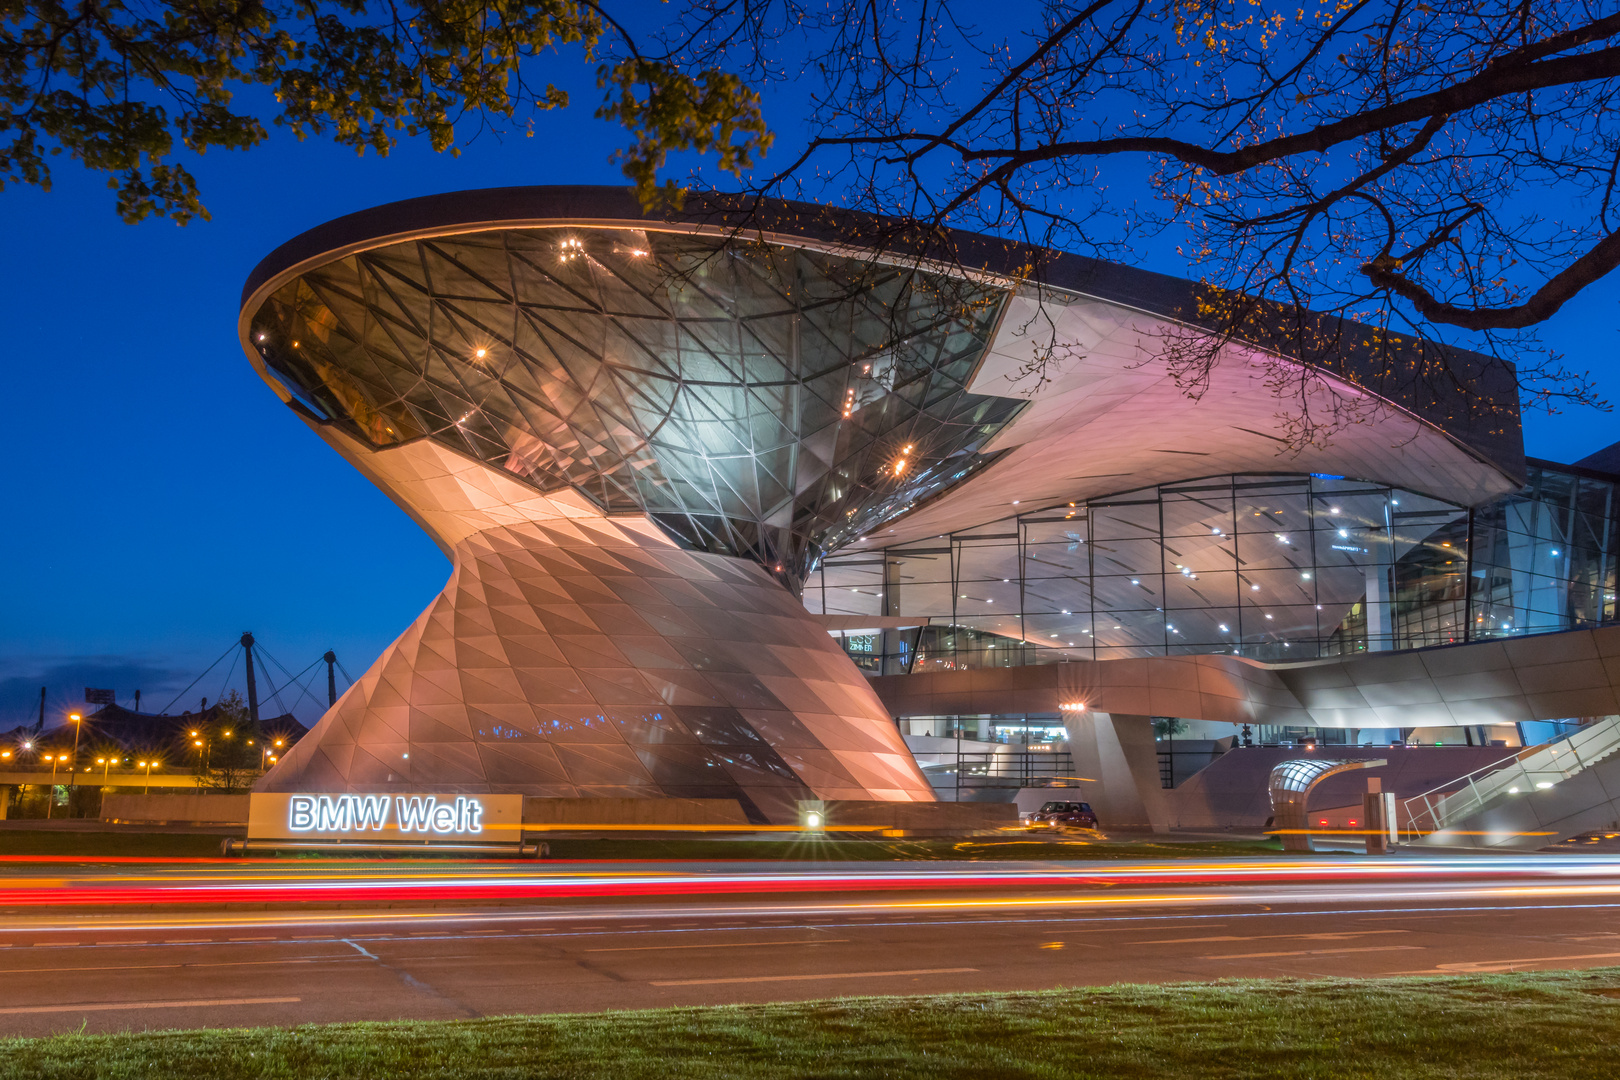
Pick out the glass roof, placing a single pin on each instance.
(755, 400)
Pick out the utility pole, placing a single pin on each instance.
(137, 701)
(253, 686)
(331, 678)
(39, 728)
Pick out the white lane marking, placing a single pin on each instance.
(1332, 936)
(727, 945)
(808, 978)
(1313, 952)
(110, 1006)
(1507, 965)
(163, 967)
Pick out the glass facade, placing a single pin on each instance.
(1273, 567)
(755, 400)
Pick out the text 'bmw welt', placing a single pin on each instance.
(358, 813)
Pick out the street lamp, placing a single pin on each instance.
(105, 763)
(50, 799)
(148, 766)
(78, 726)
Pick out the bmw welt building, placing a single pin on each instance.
(767, 513)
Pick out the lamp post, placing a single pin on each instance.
(105, 763)
(50, 799)
(78, 726)
(147, 765)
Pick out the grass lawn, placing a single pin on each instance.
(1561, 1025)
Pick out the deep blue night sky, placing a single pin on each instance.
(159, 499)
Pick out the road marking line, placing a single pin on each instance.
(1313, 952)
(727, 945)
(808, 978)
(1493, 965)
(117, 1005)
(166, 967)
(251, 939)
(1326, 936)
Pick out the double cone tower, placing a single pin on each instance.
(634, 439)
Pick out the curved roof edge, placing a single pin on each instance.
(1475, 402)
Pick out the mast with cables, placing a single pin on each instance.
(252, 684)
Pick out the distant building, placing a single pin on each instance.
(146, 733)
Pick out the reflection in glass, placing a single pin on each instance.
(755, 400)
(1269, 567)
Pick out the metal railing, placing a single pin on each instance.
(1026, 769)
(1534, 768)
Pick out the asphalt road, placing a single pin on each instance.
(932, 928)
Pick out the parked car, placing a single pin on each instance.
(1078, 814)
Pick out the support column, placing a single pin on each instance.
(1118, 752)
(890, 641)
(252, 683)
(1379, 605)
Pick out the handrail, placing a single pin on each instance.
(1535, 767)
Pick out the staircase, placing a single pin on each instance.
(1536, 797)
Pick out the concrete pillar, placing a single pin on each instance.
(890, 640)
(1379, 604)
(1117, 754)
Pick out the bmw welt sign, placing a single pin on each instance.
(281, 816)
